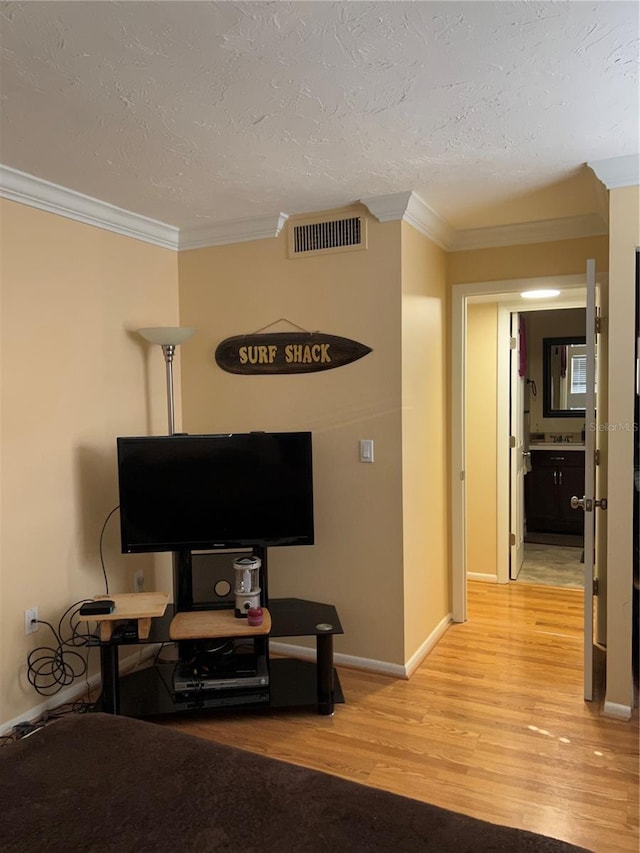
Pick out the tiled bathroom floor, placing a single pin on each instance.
(552, 565)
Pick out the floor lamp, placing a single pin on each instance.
(168, 337)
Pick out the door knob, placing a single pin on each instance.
(587, 504)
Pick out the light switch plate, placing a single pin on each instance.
(366, 450)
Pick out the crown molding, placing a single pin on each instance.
(544, 231)
(405, 206)
(36, 192)
(236, 231)
(618, 172)
(410, 208)
(388, 208)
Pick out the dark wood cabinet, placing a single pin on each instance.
(555, 476)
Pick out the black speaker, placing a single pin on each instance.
(213, 577)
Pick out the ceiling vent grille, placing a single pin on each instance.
(322, 236)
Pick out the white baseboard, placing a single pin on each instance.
(369, 664)
(479, 576)
(75, 691)
(613, 709)
(381, 667)
(432, 640)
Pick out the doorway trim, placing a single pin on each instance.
(505, 293)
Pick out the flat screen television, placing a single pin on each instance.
(202, 492)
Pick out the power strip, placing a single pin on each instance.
(22, 730)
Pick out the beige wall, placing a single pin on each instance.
(425, 470)
(481, 449)
(563, 257)
(624, 218)
(72, 379)
(357, 560)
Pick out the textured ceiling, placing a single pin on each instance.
(198, 112)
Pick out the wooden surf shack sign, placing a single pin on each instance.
(286, 352)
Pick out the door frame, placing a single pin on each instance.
(506, 294)
(517, 467)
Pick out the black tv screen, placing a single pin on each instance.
(201, 492)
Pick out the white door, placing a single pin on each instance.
(517, 454)
(591, 505)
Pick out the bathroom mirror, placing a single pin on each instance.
(564, 363)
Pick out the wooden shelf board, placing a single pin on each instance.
(131, 605)
(203, 624)
(143, 606)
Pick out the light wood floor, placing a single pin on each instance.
(493, 724)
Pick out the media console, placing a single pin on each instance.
(289, 682)
(222, 661)
(205, 497)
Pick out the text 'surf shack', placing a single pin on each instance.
(286, 352)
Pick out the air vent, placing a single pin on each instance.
(321, 236)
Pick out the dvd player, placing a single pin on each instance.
(220, 699)
(189, 683)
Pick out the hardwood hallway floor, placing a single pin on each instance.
(493, 724)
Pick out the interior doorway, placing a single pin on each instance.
(505, 296)
(592, 290)
(547, 419)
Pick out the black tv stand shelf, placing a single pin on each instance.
(292, 682)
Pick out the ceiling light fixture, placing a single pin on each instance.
(539, 294)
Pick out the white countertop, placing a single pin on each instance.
(557, 446)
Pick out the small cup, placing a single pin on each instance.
(255, 616)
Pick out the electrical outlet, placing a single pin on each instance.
(138, 581)
(31, 620)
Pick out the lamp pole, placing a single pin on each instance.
(168, 351)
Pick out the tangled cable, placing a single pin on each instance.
(49, 669)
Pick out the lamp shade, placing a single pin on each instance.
(166, 335)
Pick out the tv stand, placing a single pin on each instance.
(290, 682)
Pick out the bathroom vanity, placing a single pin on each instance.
(557, 473)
